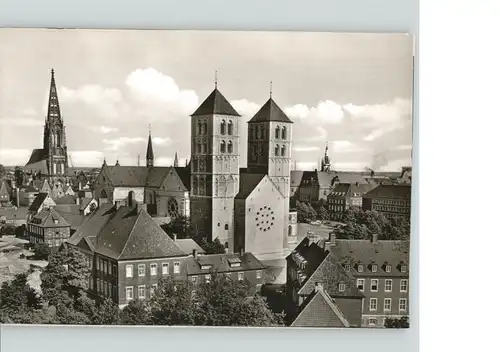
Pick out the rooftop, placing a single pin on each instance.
(205, 264)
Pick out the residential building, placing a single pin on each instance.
(42, 201)
(5, 193)
(391, 200)
(381, 270)
(346, 195)
(49, 227)
(295, 180)
(27, 195)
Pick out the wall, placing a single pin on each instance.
(351, 308)
(121, 193)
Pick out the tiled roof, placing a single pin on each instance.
(156, 176)
(215, 104)
(30, 189)
(37, 155)
(390, 191)
(319, 310)
(270, 111)
(184, 174)
(75, 220)
(66, 199)
(295, 177)
(248, 182)
(49, 218)
(131, 176)
(351, 190)
(38, 201)
(5, 188)
(84, 202)
(133, 234)
(93, 224)
(326, 179)
(67, 208)
(188, 245)
(14, 214)
(366, 252)
(221, 263)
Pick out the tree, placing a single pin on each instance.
(397, 323)
(19, 176)
(41, 251)
(212, 247)
(302, 212)
(179, 225)
(106, 313)
(172, 303)
(323, 213)
(137, 312)
(7, 230)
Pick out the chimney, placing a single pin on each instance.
(374, 238)
(318, 286)
(332, 239)
(77, 200)
(175, 237)
(357, 184)
(195, 253)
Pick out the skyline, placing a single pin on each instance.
(356, 95)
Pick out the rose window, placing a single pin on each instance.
(173, 207)
(264, 218)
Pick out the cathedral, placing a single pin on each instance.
(51, 162)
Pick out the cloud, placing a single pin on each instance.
(13, 157)
(245, 107)
(22, 122)
(307, 165)
(86, 158)
(104, 100)
(344, 147)
(305, 149)
(161, 141)
(350, 166)
(103, 129)
(118, 143)
(165, 161)
(404, 147)
(390, 112)
(160, 91)
(325, 112)
(375, 134)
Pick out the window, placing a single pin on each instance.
(230, 147)
(373, 304)
(198, 148)
(152, 268)
(403, 304)
(403, 285)
(388, 285)
(277, 150)
(388, 268)
(153, 289)
(403, 268)
(207, 278)
(142, 291)
(374, 268)
(129, 269)
(226, 227)
(374, 285)
(277, 132)
(241, 276)
(258, 274)
(360, 268)
(222, 147)
(177, 268)
(361, 284)
(341, 287)
(141, 270)
(282, 150)
(230, 128)
(372, 321)
(223, 127)
(130, 293)
(387, 304)
(262, 134)
(164, 268)
(283, 133)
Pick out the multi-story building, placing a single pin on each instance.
(390, 200)
(42, 201)
(346, 195)
(381, 269)
(49, 227)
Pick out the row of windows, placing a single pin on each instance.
(277, 150)
(106, 288)
(229, 148)
(259, 132)
(201, 148)
(403, 304)
(335, 201)
(403, 285)
(202, 128)
(141, 291)
(51, 243)
(393, 209)
(226, 127)
(106, 267)
(153, 269)
(374, 268)
(403, 203)
(336, 208)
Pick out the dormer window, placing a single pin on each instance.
(341, 287)
(234, 262)
(360, 268)
(206, 267)
(388, 268)
(404, 268)
(374, 268)
(347, 267)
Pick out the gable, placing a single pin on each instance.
(318, 312)
(265, 188)
(173, 183)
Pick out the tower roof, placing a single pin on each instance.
(149, 152)
(270, 111)
(53, 110)
(215, 104)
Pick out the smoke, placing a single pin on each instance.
(379, 160)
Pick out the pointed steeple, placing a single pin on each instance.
(104, 162)
(270, 111)
(53, 111)
(216, 104)
(149, 152)
(117, 163)
(176, 160)
(325, 162)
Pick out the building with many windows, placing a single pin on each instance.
(49, 227)
(346, 195)
(391, 200)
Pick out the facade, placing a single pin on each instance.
(293, 226)
(42, 201)
(346, 195)
(381, 269)
(49, 227)
(51, 162)
(394, 201)
(295, 180)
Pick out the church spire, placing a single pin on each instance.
(149, 151)
(53, 111)
(176, 160)
(325, 162)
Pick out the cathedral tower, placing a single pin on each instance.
(149, 152)
(270, 149)
(54, 140)
(215, 127)
(325, 162)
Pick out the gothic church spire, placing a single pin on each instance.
(149, 151)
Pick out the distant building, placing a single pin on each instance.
(405, 175)
(390, 200)
(295, 180)
(27, 195)
(346, 195)
(49, 227)
(42, 201)
(293, 226)
(13, 215)
(5, 193)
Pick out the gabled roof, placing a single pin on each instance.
(67, 208)
(93, 224)
(319, 310)
(66, 199)
(13, 213)
(75, 220)
(37, 155)
(131, 176)
(400, 191)
(326, 178)
(38, 201)
(49, 218)
(84, 202)
(133, 234)
(215, 104)
(156, 176)
(184, 174)
(270, 111)
(220, 263)
(248, 182)
(188, 245)
(351, 190)
(295, 177)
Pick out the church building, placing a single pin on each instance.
(51, 162)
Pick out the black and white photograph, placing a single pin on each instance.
(205, 178)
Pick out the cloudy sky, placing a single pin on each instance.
(350, 91)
